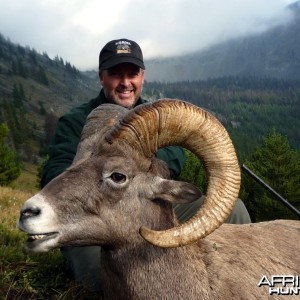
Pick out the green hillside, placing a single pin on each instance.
(34, 91)
(248, 107)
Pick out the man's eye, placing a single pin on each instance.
(118, 177)
(115, 74)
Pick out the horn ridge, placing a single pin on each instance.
(143, 135)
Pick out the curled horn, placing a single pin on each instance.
(174, 122)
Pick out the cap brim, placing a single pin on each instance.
(119, 60)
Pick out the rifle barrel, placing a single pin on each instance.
(272, 191)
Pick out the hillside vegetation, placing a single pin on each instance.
(249, 108)
(34, 91)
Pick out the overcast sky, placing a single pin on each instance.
(76, 30)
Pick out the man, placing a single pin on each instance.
(121, 74)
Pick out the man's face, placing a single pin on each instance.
(122, 84)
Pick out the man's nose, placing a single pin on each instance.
(125, 80)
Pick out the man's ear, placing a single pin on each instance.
(174, 191)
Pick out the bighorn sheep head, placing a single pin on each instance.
(156, 125)
(115, 169)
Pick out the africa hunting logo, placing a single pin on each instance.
(281, 284)
(123, 47)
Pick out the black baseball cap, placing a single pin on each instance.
(120, 51)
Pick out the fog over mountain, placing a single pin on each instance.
(77, 30)
(274, 53)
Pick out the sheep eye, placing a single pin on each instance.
(118, 177)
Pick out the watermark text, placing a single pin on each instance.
(281, 284)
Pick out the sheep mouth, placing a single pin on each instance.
(38, 238)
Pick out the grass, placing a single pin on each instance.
(24, 275)
(27, 181)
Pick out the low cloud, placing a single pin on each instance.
(76, 30)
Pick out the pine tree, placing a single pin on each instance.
(194, 172)
(10, 168)
(42, 76)
(278, 165)
(18, 95)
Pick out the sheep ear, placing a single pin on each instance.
(175, 191)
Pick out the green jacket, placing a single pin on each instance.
(63, 147)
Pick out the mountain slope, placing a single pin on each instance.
(34, 91)
(55, 83)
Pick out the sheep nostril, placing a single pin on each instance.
(30, 212)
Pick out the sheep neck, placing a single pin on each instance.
(145, 272)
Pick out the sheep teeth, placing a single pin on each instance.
(37, 237)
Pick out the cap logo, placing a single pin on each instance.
(123, 47)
